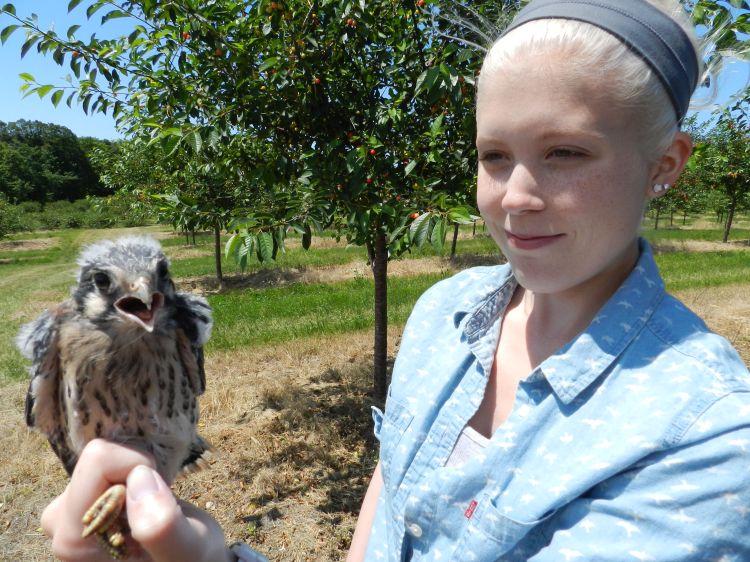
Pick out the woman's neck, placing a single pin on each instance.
(550, 320)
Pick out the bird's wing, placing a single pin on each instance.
(37, 341)
(193, 315)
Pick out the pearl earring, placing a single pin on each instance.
(659, 187)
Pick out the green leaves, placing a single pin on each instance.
(7, 32)
(72, 5)
(265, 246)
(420, 229)
(56, 97)
(30, 42)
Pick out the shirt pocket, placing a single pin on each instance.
(491, 534)
(389, 429)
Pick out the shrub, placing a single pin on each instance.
(9, 218)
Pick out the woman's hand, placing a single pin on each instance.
(162, 529)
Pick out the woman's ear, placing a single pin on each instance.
(669, 167)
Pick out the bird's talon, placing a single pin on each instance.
(104, 512)
(116, 552)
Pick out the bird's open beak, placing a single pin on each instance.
(141, 305)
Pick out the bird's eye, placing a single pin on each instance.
(101, 280)
(162, 269)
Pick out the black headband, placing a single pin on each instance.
(650, 33)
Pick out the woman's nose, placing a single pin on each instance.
(521, 192)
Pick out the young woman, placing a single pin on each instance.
(563, 406)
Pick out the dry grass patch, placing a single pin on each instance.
(668, 246)
(726, 310)
(281, 276)
(32, 244)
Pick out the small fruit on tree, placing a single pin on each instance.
(414, 215)
(372, 152)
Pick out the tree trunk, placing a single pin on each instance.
(455, 240)
(379, 264)
(474, 229)
(658, 213)
(730, 218)
(684, 218)
(671, 217)
(217, 255)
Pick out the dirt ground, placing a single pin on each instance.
(292, 433)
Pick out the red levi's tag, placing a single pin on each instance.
(470, 510)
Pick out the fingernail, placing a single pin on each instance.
(142, 483)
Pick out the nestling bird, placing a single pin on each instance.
(122, 360)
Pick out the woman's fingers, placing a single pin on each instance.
(166, 530)
(162, 529)
(101, 464)
(52, 514)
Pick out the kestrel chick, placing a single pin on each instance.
(122, 360)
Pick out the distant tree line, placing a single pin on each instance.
(43, 162)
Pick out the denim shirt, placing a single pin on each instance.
(632, 442)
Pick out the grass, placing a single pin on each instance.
(275, 315)
(685, 270)
(704, 235)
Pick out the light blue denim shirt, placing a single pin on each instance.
(632, 442)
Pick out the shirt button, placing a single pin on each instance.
(415, 530)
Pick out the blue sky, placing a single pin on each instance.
(13, 106)
(53, 13)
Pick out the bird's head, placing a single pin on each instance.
(124, 281)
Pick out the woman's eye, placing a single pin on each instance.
(492, 157)
(564, 153)
(101, 280)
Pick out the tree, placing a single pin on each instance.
(292, 98)
(44, 162)
(728, 157)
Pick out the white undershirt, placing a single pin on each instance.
(469, 444)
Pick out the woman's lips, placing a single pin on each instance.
(531, 241)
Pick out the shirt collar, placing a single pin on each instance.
(587, 356)
(582, 360)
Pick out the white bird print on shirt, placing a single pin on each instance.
(570, 554)
(587, 525)
(629, 528)
(683, 486)
(683, 517)
(659, 497)
(594, 424)
(739, 443)
(640, 555)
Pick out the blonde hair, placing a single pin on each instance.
(598, 54)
